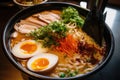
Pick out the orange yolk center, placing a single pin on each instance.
(29, 48)
(40, 64)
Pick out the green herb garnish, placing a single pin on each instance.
(50, 34)
(71, 74)
(62, 75)
(71, 15)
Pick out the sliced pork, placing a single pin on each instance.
(36, 21)
(24, 28)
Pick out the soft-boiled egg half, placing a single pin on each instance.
(27, 49)
(42, 62)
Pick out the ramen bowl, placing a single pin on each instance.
(9, 29)
(25, 3)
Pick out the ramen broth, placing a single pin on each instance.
(80, 58)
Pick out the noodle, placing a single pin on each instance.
(78, 53)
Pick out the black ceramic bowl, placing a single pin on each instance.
(108, 36)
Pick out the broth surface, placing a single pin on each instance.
(78, 53)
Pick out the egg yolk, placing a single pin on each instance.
(29, 48)
(40, 64)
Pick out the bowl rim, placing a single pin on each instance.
(38, 76)
(25, 5)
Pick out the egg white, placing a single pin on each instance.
(19, 53)
(53, 59)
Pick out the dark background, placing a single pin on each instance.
(110, 72)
